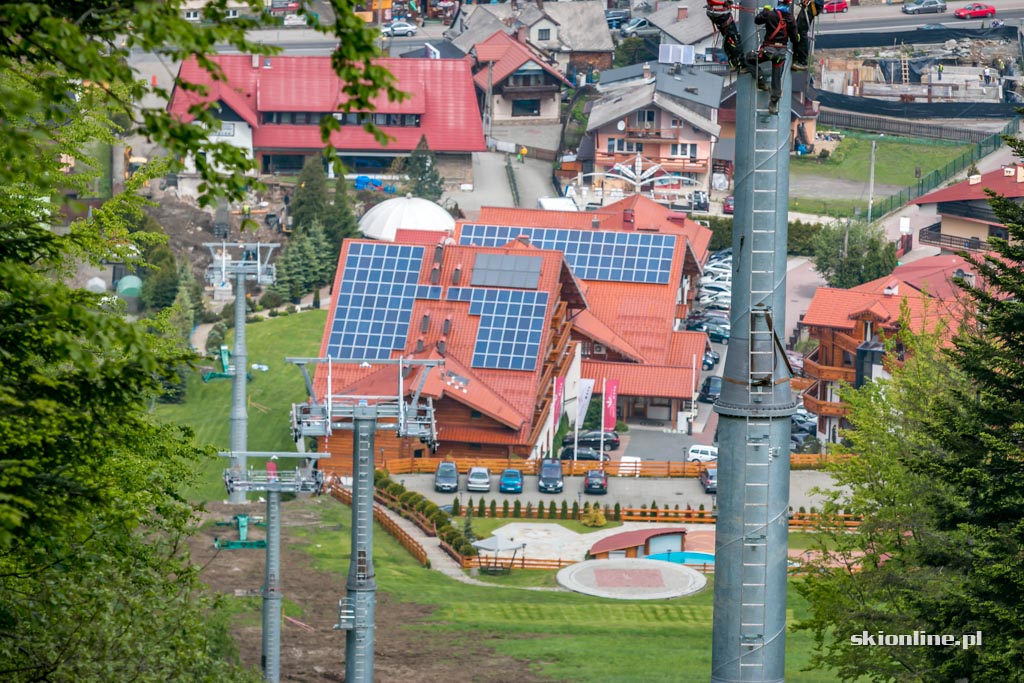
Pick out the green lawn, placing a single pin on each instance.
(895, 159)
(207, 409)
(566, 636)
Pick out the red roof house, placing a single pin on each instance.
(523, 87)
(272, 107)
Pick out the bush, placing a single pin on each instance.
(529, 510)
(290, 308)
(494, 508)
(594, 517)
(575, 510)
(481, 509)
(540, 510)
(618, 513)
(552, 511)
(517, 510)
(504, 508)
(565, 509)
(456, 510)
(271, 299)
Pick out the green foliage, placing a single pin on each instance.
(456, 507)
(540, 510)
(594, 517)
(339, 220)
(618, 513)
(634, 50)
(481, 509)
(309, 203)
(271, 299)
(424, 179)
(517, 509)
(528, 512)
(575, 510)
(552, 510)
(504, 508)
(850, 254)
(565, 509)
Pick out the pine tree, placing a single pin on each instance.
(424, 180)
(309, 203)
(340, 221)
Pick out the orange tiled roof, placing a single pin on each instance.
(409, 236)
(588, 324)
(664, 381)
(933, 275)
(1011, 186)
(839, 308)
(507, 55)
(541, 218)
(685, 346)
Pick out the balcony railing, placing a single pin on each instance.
(933, 235)
(528, 91)
(822, 407)
(829, 373)
(677, 164)
(846, 342)
(659, 134)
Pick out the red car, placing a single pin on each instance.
(836, 6)
(975, 10)
(729, 205)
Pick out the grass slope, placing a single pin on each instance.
(207, 409)
(566, 636)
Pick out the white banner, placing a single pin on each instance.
(583, 401)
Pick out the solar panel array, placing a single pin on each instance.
(592, 254)
(506, 270)
(374, 304)
(511, 326)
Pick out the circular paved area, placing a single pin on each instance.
(631, 579)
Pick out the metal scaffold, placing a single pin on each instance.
(748, 639)
(363, 415)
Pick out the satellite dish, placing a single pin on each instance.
(621, 125)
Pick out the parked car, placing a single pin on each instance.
(709, 480)
(717, 333)
(592, 439)
(399, 28)
(721, 254)
(975, 10)
(510, 481)
(446, 478)
(724, 304)
(638, 26)
(479, 479)
(701, 453)
(836, 6)
(925, 7)
(584, 453)
(798, 424)
(617, 17)
(720, 318)
(595, 481)
(550, 479)
(710, 390)
(796, 361)
(715, 356)
(729, 205)
(716, 287)
(695, 325)
(710, 360)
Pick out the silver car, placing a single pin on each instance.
(479, 479)
(925, 7)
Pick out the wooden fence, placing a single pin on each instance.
(408, 542)
(337, 466)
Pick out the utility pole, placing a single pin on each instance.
(363, 415)
(871, 182)
(751, 534)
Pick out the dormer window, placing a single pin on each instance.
(544, 34)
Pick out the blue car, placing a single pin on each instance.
(511, 481)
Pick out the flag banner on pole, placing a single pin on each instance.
(559, 396)
(611, 399)
(586, 393)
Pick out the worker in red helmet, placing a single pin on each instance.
(779, 31)
(720, 14)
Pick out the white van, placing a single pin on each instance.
(701, 453)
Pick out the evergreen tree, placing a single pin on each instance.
(309, 203)
(852, 254)
(424, 180)
(160, 279)
(340, 221)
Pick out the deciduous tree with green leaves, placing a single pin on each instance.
(851, 253)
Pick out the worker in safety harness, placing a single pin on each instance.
(809, 9)
(720, 14)
(779, 30)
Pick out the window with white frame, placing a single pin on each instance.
(544, 34)
(683, 149)
(232, 14)
(676, 123)
(621, 146)
(645, 118)
(192, 15)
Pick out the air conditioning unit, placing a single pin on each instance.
(599, 349)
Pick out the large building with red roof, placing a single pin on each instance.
(851, 326)
(522, 87)
(632, 328)
(272, 106)
(966, 220)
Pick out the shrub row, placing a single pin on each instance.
(411, 501)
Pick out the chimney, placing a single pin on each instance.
(974, 179)
(540, 5)
(647, 71)
(435, 274)
(255, 61)
(521, 35)
(595, 223)
(1009, 171)
(441, 345)
(628, 219)
(892, 287)
(1020, 173)
(457, 275)
(425, 324)
(681, 13)
(523, 239)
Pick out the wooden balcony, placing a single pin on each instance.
(672, 164)
(846, 342)
(829, 373)
(821, 407)
(933, 235)
(653, 134)
(526, 92)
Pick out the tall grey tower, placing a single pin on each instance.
(748, 639)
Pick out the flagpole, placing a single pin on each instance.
(604, 397)
(576, 427)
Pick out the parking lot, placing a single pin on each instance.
(626, 491)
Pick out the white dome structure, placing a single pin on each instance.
(404, 213)
(96, 285)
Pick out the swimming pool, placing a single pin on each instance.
(681, 557)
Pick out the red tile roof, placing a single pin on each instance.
(408, 236)
(440, 90)
(589, 324)
(632, 539)
(933, 275)
(840, 308)
(507, 55)
(541, 218)
(1008, 185)
(665, 381)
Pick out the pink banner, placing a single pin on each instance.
(559, 395)
(611, 399)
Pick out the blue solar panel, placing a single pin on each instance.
(374, 304)
(511, 326)
(592, 254)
